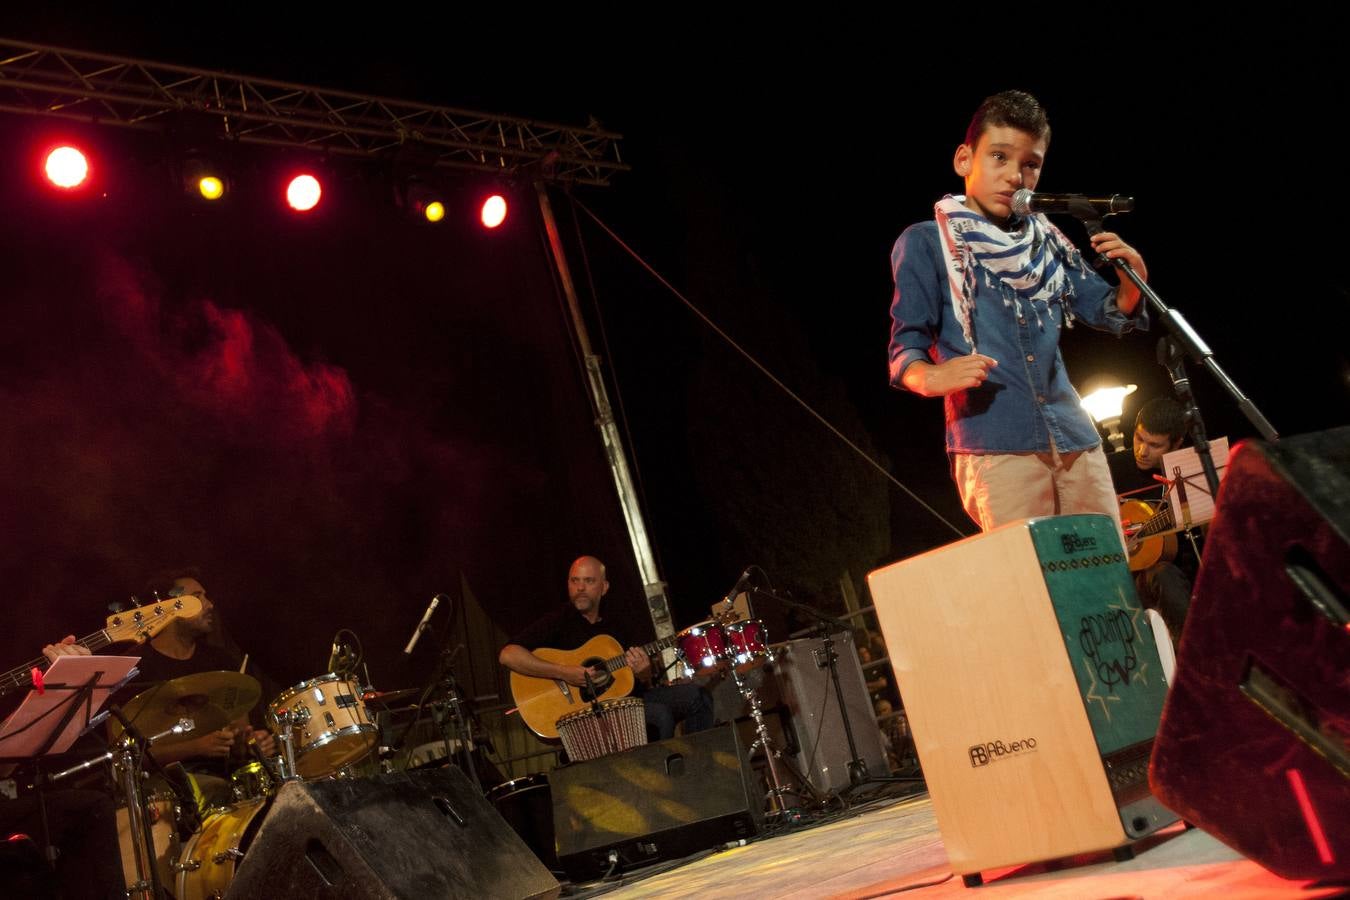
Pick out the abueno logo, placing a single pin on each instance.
(984, 754)
(1074, 543)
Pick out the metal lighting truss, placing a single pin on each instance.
(112, 90)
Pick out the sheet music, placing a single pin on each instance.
(1184, 465)
(18, 739)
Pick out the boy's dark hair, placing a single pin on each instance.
(1162, 415)
(1014, 109)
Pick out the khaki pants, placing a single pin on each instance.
(998, 488)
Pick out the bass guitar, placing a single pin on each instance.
(133, 626)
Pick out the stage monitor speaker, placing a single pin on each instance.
(807, 690)
(1033, 690)
(409, 835)
(1255, 740)
(656, 802)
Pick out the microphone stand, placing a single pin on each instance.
(452, 722)
(1185, 339)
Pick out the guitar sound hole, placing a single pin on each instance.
(602, 683)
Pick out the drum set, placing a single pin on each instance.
(171, 835)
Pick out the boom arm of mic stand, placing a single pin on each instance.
(837, 624)
(1191, 342)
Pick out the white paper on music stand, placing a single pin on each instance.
(68, 670)
(1185, 464)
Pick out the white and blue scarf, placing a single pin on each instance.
(1026, 265)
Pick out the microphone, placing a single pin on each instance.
(730, 598)
(335, 655)
(1025, 202)
(426, 618)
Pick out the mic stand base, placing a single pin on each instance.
(777, 810)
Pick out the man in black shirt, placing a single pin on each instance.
(580, 620)
(184, 648)
(1159, 429)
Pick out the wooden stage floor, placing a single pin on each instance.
(894, 845)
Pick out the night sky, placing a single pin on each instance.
(339, 417)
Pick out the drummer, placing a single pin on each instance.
(573, 624)
(184, 648)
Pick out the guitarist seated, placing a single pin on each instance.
(1165, 586)
(579, 621)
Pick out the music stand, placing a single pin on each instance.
(1188, 493)
(59, 709)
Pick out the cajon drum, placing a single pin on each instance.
(1033, 688)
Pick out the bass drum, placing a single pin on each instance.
(212, 856)
(527, 806)
(162, 810)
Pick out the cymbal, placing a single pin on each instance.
(211, 699)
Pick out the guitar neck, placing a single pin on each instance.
(1159, 524)
(22, 677)
(619, 662)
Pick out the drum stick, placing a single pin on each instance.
(243, 665)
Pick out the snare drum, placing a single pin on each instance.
(329, 722)
(162, 810)
(619, 725)
(748, 643)
(212, 856)
(702, 648)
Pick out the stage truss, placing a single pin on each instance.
(111, 90)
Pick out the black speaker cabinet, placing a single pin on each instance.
(656, 802)
(413, 836)
(1255, 739)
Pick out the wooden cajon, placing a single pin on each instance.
(1032, 684)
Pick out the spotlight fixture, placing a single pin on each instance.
(303, 192)
(424, 200)
(493, 212)
(210, 187)
(1106, 405)
(66, 167)
(204, 179)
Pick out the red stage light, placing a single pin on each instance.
(66, 167)
(494, 211)
(303, 193)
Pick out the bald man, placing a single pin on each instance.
(575, 623)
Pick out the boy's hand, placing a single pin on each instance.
(1109, 244)
(957, 374)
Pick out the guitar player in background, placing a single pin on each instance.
(577, 622)
(1165, 585)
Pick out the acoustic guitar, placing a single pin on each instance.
(1150, 535)
(543, 701)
